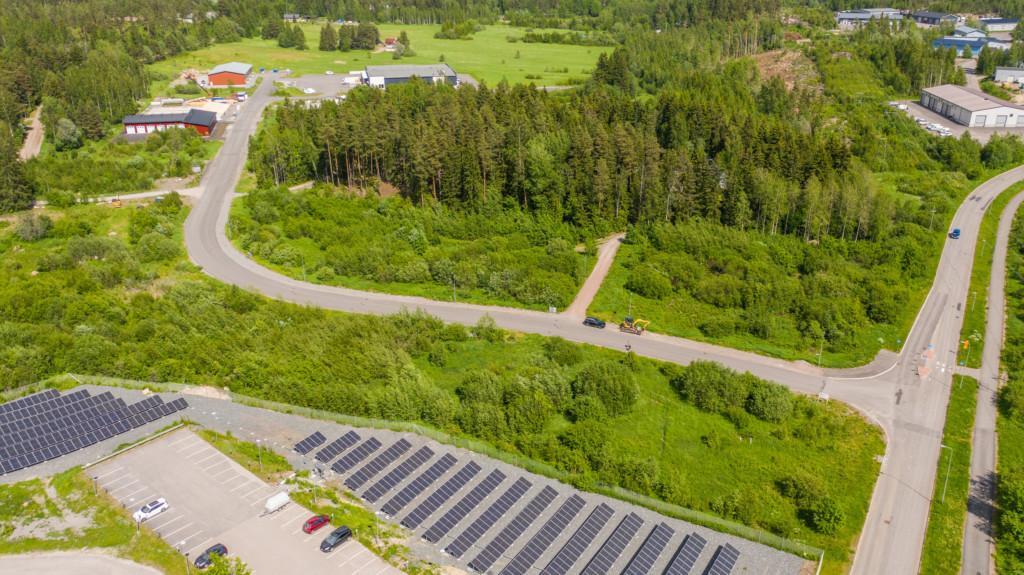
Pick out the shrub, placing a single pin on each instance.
(563, 352)
(827, 517)
(647, 281)
(769, 401)
(154, 247)
(31, 228)
(609, 381)
(711, 386)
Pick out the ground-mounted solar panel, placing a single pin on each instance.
(507, 536)
(377, 464)
(458, 512)
(398, 474)
(686, 556)
(28, 400)
(438, 498)
(724, 560)
(352, 458)
(543, 539)
(602, 561)
(44, 408)
(419, 485)
(306, 445)
(645, 557)
(571, 552)
(336, 447)
(488, 518)
(178, 404)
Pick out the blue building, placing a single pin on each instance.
(975, 44)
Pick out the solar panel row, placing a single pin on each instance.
(487, 519)
(35, 426)
(356, 455)
(61, 411)
(543, 539)
(650, 550)
(513, 530)
(28, 400)
(419, 485)
(441, 496)
(686, 556)
(43, 407)
(377, 464)
(602, 561)
(578, 543)
(137, 415)
(398, 474)
(724, 561)
(336, 447)
(306, 445)
(468, 503)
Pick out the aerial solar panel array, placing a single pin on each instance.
(48, 425)
(505, 522)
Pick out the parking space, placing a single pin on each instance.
(211, 499)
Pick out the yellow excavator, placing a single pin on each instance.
(635, 326)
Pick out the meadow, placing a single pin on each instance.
(488, 56)
(109, 291)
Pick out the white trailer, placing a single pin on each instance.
(276, 502)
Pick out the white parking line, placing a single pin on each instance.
(241, 485)
(170, 519)
(210, 456)
(202, 546)
(185, 526)
(108, 484)
(136, 492)
(202, 455)
(202, 447)
(185, 539)
(359, 552)
(146, 497)
(125, 486)
(185, 437)
(246, 495)
(115, 470)
(220, 474)
(190, 445)
(365, 563)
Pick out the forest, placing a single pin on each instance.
(1009, 533)
(107, 291)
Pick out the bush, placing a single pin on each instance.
(827, 517)
(711, 386)
(610, 382)
(647, 281)
(31, 228)
(155, 247)
(769, 401)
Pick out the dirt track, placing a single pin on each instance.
(34, 139)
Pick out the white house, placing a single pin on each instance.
(1004, 74)
(999, 24)
(972, 107)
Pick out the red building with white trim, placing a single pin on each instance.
(230, 74)
(201, 121)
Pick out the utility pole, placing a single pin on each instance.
(931, 220)
(453, 289)
(259, 454)
(821, 347)
(629, 312)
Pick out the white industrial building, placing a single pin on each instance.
(972, 108)
(1014, 75)
(384, 76)
(999, 24)
(853, 19)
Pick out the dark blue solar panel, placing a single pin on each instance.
(513, 530)
(724, 561)
(686, 556)
(543, 539)
(441, 496)
(306, 445)
(578, 543)
(443, 525)
(649, 551)
(601, 563)
(418, 485)
(488, 518)
(398, 474)
(356, 455)
(377, 464)
(336, 447)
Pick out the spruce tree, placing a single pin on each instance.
(16, 191)
(328, 38)
(300, 38)
(271, 29)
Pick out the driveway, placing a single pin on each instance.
(212, 499)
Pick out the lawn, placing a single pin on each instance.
(981, 273)
(488, 56)
(944, 540)
(65, 513)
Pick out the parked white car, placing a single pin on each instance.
(150, 510)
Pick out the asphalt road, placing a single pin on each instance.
(907, 398)
(71, 563)
(979, 547)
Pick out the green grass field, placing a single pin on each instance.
(943, 541)
(488, 56)
(974, 318)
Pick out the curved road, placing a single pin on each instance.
(907, 397)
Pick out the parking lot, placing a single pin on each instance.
(212, 499)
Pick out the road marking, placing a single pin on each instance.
(136, 492)
(202, 447)
(185, 526)
(365, 563)
(165, 515)
(239, 486)
(106, 485)
(185, 437)
(246, 495)
(210, 456)
(102, 475)
(129, 484)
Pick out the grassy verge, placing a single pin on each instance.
(487, 56)
(258, 460)
(64, 513)
(944, 540)
(981, 273)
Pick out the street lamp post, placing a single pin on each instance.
(949, 464)
(259, 453)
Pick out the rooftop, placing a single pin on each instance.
(193, 116)
(968, 98)
(408, 71)
(940, 15)
(234, 67)
(999, 21)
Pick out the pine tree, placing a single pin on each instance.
(345, 36)
(90, 122)
(286, 38)
(328, 38)
(300, 38)
(403, 39)
(16, 191)
(271, 29)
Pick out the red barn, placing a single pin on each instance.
(230, 74)
(201, 121)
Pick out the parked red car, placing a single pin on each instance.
(315, 522)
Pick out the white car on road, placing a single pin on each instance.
(150, 510)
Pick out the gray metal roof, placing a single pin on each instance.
(408, 71)
(969, 99)
(193, 117)
(235, 67)
(936, 15)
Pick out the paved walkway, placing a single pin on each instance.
(979, 546)
(70, 563)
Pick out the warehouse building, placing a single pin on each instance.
(384, 76)
(927, 19)
(230, 74)
(972, 107)
(854, 19)
(958, 44)
(999, 24)
(1013, 75)
(201, 121)
(965, 31)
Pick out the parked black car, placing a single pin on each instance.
(206, 558)
(337, 537)
(594, 322)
